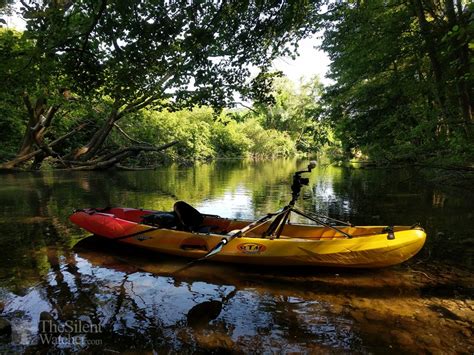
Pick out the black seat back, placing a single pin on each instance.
(188, 216)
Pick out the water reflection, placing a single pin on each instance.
(141, 307)
(46, 275)
(216, 307)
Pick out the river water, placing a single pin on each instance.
(96, 297)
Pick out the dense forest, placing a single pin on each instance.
(403, 73)
(101, 84)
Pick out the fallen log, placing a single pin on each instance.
(126, 135)
(112, 159)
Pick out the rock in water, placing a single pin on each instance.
(5, 327)
(201, 314)
(47, 323)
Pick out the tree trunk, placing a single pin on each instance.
(463, 70)
(110, 160)
(432, 55)
(36, 165)
(40, 118)
(10, 165)
(34, 114)
(88, 151)
(82, 158)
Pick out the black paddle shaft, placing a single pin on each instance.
(217, 249)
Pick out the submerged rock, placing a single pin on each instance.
(5, 327)
(216, 342)
(373, 315)
(201, 314)
(402, 337)
(47, 323)
(466, 332)
(358, 316)
(429, 339)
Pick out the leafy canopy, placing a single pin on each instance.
(402, 78)
(185, 52)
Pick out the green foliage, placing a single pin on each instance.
(133, 55)
(261, 87)
(268, 142)
(203, 134)
(5, 10)
(297, 112)
(229, 141)
(191, 128)
(402, 79)
(12, 45)
(130, 50)
(202, 137)
(23, 73)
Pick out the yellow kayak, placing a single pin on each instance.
(271, 240)
(297, 244)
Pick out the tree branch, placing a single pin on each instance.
(247, 107)
(12, 163)
(29, 107)
(96, 19)
(125, 134)
(50, 114)
(144, 100)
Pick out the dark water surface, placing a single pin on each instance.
(61, 291)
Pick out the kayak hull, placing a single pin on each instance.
(299, 244)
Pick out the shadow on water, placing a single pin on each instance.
(130, 300)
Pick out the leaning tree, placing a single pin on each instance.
(136, 54)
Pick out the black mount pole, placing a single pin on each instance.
(276, 227)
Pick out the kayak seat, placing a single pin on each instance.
(189, 218)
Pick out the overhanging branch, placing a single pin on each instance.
(126, 135)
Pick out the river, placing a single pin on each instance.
(94, 297)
